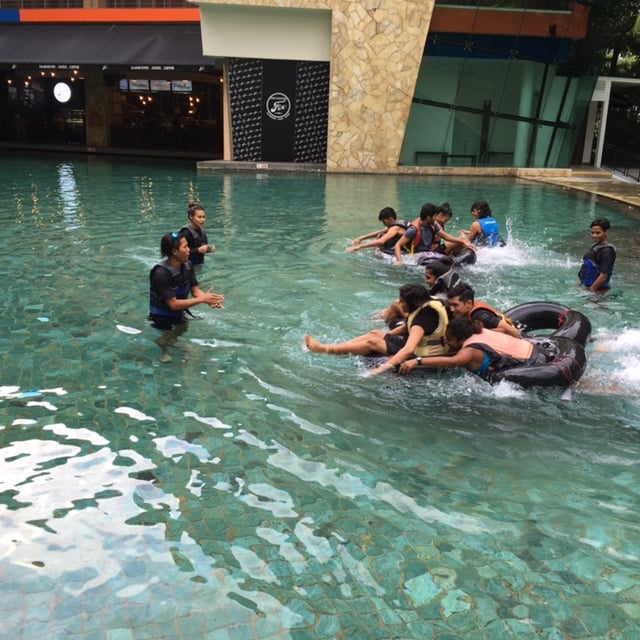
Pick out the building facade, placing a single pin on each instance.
(364, 86)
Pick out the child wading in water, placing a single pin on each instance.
(196, 236)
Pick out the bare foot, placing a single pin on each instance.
(314, 345)
(165, 357)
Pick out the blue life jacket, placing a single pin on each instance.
(180, 278)
(490, 233)
(590, 269)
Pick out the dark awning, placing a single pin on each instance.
(103, 44)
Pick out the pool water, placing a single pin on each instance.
(251, 489)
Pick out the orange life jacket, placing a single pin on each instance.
(435, 242)
(502, 343)
(483, 305)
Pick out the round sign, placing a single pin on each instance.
(278, 106)
(62, 92)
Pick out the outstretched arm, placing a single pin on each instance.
(464, 358)
(379, 242)
(456, 240)
(366, 236)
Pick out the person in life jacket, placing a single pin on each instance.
(462, 304)
(444, 242)
(423, 334)
(480, 351)
(196, 236)
(171, 281)
(485, 230)
(441, 277)
(598, 261)
(384, 240)
(421, 236)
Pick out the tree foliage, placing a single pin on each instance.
(611, 33)
(611, 36)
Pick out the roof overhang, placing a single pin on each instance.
(113, 45)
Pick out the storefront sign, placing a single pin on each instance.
(278, 119)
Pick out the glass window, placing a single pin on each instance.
(486, 107)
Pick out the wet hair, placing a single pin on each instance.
(192, 208)
(414, 296)
(603, 223)
(445, 208)
(484, 210)
(169, 243)
(437, 267)
(462, 328)
(387, 212)
(463, 291)
(428, 210)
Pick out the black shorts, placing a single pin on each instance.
(394, 343)
(165, 323)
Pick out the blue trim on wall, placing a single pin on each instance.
(459, 45)
(9, 16)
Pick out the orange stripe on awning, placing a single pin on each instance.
(110, 15)
(492, 22)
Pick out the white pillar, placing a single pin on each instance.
(603, 124)
(590, 132)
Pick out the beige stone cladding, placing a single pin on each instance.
(376, 52)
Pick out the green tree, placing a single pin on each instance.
(628, 62)
(609, 36)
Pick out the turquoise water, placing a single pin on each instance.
(251, 489)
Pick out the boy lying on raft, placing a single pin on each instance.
(422, 335)
(481, 351)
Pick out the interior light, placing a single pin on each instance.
(62, 92)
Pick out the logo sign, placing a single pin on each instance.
(278, 106)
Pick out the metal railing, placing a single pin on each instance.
(621, 161)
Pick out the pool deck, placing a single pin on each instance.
(598, 182)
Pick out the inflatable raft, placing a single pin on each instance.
(559, 332)
(564, 346)
(466, 256)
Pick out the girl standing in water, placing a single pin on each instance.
(196, 236)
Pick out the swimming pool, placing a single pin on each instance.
(256, 490)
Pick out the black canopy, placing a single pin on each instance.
(103, 44)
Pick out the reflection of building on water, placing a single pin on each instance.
(69, 194)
